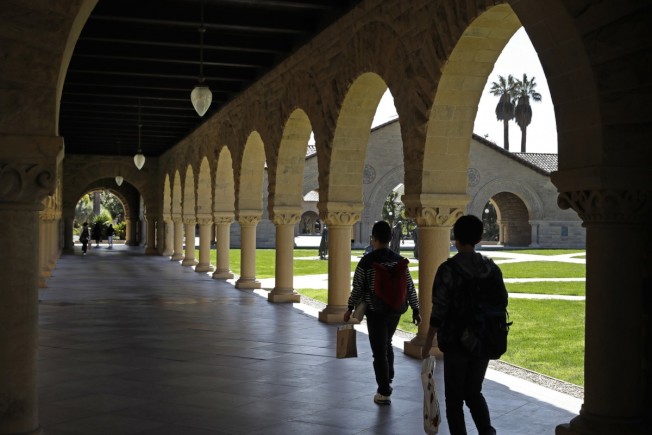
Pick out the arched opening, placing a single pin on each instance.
(512, 220)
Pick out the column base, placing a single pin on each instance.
(247, 283)
(413, 348)
(189, 262)
(595, 425)
(204, 268)
(222, 275)
(333, 314)
(176, 258)
(151, 251)
(167, 253)
(284, 295)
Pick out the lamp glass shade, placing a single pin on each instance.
(201, 98)
(118, 180)
(139, 160)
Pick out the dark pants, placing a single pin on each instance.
(381, 330)
(84, 247)
(463, 377)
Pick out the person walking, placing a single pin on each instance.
(97, 233)
(84, 237)
(463, 372)
(381, 322)
(109, 235)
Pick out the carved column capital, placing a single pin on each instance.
(28, 170)
(205, 220)
(340, 218)
(339, 213)
(177, 219)
(434, 216)
(189, 220)
(246, 219)
(223, 219)
(286, 217)
(435, 210)
(609, 205)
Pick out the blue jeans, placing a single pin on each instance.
(381, 330)
(463, 377)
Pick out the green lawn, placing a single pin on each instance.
(543, 269)
(548, 337)
(548, 288)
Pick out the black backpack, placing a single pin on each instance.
(485, 318)
(390, 287)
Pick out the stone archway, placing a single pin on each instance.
(512, 220)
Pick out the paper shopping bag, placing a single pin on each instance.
(346, 345)
(431, 412)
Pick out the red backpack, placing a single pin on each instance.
(390, 287)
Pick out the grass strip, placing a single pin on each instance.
(543, 269)
(548, 288)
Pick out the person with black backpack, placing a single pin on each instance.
(469, 317)
(382, 280)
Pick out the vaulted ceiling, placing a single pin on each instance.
(144, 57)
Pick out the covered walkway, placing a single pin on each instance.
(131, 344)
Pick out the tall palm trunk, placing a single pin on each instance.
(506, 133)
(523, 137)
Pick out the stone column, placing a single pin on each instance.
(205, 227)
(129, 233)
(28, 174)
(284, 285)
(178, 239)
(339, 262)
(248, 223)
(434, 227)
(151, 236)
(160, 235)
(43, 259)
(534, 235)
(68, 245)
(189, 226)
(617, 378)
(223, 234)
(168, 248)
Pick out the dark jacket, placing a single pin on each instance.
(450, 298)
(363, 279)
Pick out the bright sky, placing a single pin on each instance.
(517, 58)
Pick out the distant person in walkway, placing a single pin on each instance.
(381, 320)
(97, 233)
(323, 244)
(463, 373)
(109, 235)
(397, 236)
(84, 237)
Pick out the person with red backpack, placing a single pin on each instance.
(382, 280)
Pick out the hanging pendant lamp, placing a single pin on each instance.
(139, 158)
(118, 178)
(201, 96)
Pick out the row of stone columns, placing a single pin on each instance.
(49, 244)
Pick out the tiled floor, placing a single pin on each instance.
(134, 344)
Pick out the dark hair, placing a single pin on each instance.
(468, 230)
(382, 232)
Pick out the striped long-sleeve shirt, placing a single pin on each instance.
(364, 276)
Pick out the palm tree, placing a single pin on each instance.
(504, 88)
(523, 111)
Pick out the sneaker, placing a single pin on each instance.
(382, 400)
